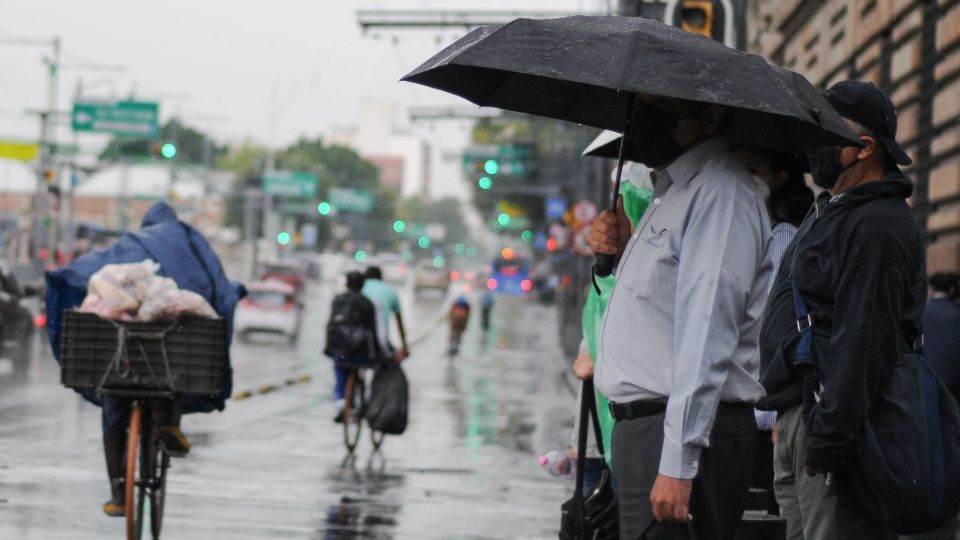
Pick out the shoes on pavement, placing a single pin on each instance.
(115, 507)
(338, 419)
(175, 441)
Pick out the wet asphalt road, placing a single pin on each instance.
(272, 465)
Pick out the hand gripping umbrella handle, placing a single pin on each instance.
(603, 266)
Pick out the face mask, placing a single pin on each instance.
(652, 134)
(826, 167)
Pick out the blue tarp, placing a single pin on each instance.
(184, 256)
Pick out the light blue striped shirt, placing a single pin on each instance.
(684, 317)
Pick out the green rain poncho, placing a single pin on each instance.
(635, 202)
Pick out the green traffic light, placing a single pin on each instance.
(283, 238)
(491, 166)
(360, 256)
(485, 182)
(324, 208)
(399, 226)
(503, 219)
(423, 242)
(460, 249)
(438, 262)
(168, 150)
(526, 236)
(471, 251)
(406, 256)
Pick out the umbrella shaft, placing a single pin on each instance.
(623, 143)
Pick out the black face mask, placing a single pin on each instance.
(652, 134)
(826, 166)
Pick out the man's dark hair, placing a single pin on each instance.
(355, 281)
(790, 202)
(945, 282)
(373, 272)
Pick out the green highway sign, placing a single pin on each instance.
(355, 200)
(290, 184)
(133, 119)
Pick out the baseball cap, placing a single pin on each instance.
(870, 107)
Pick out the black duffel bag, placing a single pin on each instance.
(389, 400)
(596, 516)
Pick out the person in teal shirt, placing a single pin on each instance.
(386, 301)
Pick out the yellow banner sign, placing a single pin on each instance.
(19, 150)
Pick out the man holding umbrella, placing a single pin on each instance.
(678, 349)
(678, 355)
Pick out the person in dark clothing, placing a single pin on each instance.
(858, 263)
(941, 345)
(187, 258)
(941, 330)
(351, 335)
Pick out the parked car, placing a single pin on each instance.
(270, 307)
(16, 319)
(393, 267)
(288, 271)
(426, 275)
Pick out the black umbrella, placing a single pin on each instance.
(588, 69)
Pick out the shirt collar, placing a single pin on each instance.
(685, 167)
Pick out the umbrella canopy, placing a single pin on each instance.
(586, 69)
(607, 145)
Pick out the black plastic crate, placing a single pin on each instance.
(196, 353)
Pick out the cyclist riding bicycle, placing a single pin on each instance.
(186, 257)
(459, 315)
(352, 341)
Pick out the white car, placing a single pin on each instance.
(393, 268)
(428, 276)
(269, 307)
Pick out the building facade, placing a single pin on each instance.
(911, 49)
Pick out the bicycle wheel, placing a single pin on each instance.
(376, 437)
(353, 408)
(158, 494)
(133, 508)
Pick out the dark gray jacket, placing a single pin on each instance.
(861, 270)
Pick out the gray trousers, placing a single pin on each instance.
(813, 510)
(719, 491)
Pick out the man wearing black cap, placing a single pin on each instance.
(858, 266)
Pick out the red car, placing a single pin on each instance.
(290, 272)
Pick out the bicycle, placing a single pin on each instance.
(146, 464)
(355, 400)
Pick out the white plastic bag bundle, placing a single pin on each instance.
(134, 292)
(165, 302)
(122, 287)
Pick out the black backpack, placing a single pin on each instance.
(347, 335)
(906, 471)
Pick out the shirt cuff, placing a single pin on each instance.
(679, 461)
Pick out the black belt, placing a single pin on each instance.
(637, 409)
(648, 407)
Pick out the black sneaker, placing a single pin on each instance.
(338, 419)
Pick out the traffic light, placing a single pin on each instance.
(696, 17)
(503, 219)
(491, 166)
(166, 150)
(283, 238)
(324, 208)
(399, 226)
(485, 182)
